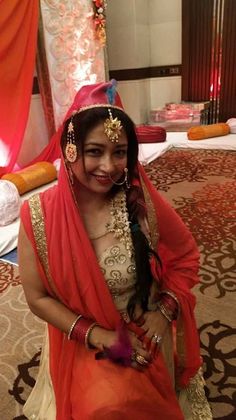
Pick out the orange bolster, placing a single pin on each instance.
(206, 131)
(33, 176)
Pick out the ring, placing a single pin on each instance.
(141, 360)
(157, 338)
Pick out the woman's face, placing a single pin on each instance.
(102, 160)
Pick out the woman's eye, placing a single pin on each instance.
(121, 153)
(93, 152)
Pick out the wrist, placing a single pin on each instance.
(168, 305)
(97, 337)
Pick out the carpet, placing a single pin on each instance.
(20, 344)
(201, 185)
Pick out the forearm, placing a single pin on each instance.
(58, 315)
(53, 312)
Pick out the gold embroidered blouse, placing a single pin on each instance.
(118, 268)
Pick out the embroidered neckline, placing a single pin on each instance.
(119, 223)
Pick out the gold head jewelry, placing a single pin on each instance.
(71, 149)
(112, 128)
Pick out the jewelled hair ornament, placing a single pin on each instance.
(112, 128)
(71, 149)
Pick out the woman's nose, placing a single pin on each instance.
(108, 164)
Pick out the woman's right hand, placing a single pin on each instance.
(101, 338)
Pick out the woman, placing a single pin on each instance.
(107, 263)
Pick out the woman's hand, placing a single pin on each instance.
(101, 339)
(155, 326)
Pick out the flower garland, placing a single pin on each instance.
(100, 19)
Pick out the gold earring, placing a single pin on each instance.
(71, 149)
(127, 178)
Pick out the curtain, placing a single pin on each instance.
(44, 81)
(18, 35)
(197, 35)
(209, 55)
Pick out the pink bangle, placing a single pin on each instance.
(73, 326)
(82, 330)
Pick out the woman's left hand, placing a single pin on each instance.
(155, 326)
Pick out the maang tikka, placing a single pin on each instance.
(112, 128)
(71, 149)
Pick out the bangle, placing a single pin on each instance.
(72, 326)
(171, 303)
(164, 312)
(171, 294)
(87, 335)
(81, 330)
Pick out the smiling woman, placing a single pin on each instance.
(109, 265)
(103, 162)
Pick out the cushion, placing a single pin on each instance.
(232, 125)
(9, 202)
(206, 131)
(150, 134)
(33, 176)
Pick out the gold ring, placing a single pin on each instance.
(141, 360)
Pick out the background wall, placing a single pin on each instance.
(141, 34)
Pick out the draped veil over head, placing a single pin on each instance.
(70, 271)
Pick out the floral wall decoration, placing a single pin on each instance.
(74, 33)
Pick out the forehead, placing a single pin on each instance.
(97, 135)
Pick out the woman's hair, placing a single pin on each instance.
(83, 123)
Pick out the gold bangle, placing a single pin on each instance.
(164, 312)
(72, 326)
(88, 332)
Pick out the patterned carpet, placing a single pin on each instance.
(201, 185)
(20, 341)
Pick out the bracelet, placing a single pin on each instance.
(87, 335)
(72, 326)
(171, 303)
(171, 294)
(164, 312)
(80, 330)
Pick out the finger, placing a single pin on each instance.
(136, 366)
(152, 348)
(144, 354)
(146, 342)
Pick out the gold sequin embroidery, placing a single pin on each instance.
(197, 399)
(38, 226)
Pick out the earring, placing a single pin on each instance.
(71, 149)
(127, 178)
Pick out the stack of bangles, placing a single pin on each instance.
(80, 330)
(168, 305)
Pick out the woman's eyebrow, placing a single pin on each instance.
(93, 143)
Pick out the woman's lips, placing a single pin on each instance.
(103, 179)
